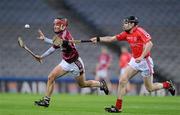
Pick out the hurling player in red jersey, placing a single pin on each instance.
(103, 66)
(71, 62)
(141, 61)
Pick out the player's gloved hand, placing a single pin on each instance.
(139, 59)
(41, 35)
(66, 46)
(38, 58)
(65, 43)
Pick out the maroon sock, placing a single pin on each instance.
(166, 85)
(119, 104)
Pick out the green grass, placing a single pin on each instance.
(66, 104)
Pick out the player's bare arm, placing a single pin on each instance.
(147, 48)
(49, 51)
(104, 39)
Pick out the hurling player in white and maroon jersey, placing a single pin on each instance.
(71, 62)
(141, 61)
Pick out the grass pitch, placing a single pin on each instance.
(66, 104)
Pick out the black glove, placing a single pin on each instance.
(66, 46)
(65, 43)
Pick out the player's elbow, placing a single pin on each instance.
(113, 38)
(149, 44)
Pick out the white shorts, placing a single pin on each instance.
(145, 66)
(102, 73)
(75, 68)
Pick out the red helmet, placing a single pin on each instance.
(60, 21)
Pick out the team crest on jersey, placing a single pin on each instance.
(147, 35)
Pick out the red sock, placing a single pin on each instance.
(119, 104)
(166, 85)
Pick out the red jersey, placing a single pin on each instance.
(104, 61)
(69, 52)
(137, 39)
(124, 59)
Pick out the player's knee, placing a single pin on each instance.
(51, 77)
(82, 84)
(123, 81)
